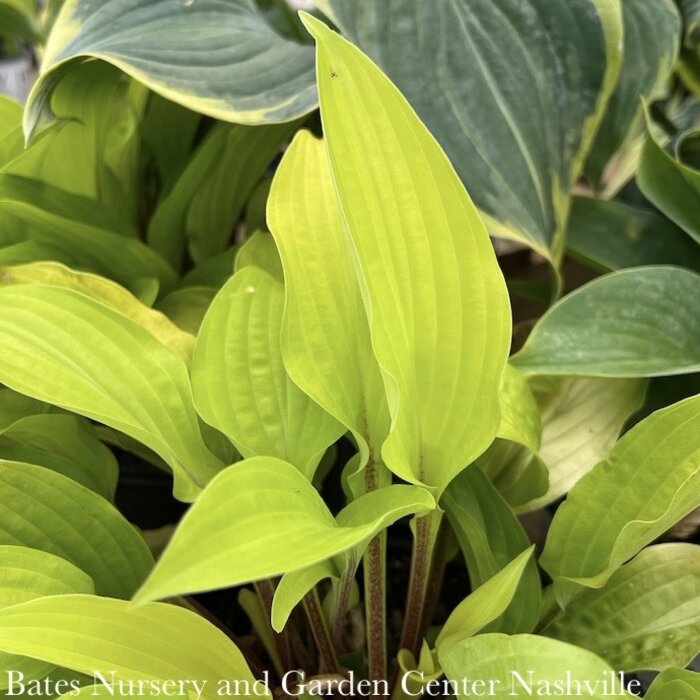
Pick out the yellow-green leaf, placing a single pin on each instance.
(240, 384)
(155, 642)
(261, 518)
(325, 337)
(62, 347)
(435, 297)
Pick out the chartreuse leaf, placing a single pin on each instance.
(325, 336)
(109, 294)
(260, 250)
(647, 616)
(518, 475)
(94, 149)
(631, 323)
(670, 185)
(58, 684)
(202, 207)
(261, 518)
(239, 44)
(53, 224)
(168, 132)
(518, 151)
(294, 586)
(581, 423)
(649, 482)
(67, 444)
(520, 416)
(652, 33)
(240, 384)
(44, 510)
(509, 461)
(612, 235)
(490, 537)
(14, 406)
(186, 307)
(156, 642)
(528, 666)
(28, 574)
(675, 684)
(436, 299)
(484, 605)
(116, 373)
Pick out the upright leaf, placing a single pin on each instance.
(671, 185)
(649, 482)
(203, 206)
(261, 518)
(484, 605)
(437, 303)
(490, 537)
(260, 250)
(325, 336)
(161, 43)
(463, 64)
(116, 373)
(631, 323)
(48, 511)
(240, 383)
(520, 415)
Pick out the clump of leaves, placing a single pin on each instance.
(375, 314)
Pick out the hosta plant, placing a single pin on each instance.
(320, 350)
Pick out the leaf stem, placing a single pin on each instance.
(374, 565)
(342, 604)
(266, 592)
(437, 575)
(425, 535)
(319, 629)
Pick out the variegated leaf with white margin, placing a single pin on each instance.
(462, 64)
(160, 43)
(652, 33)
